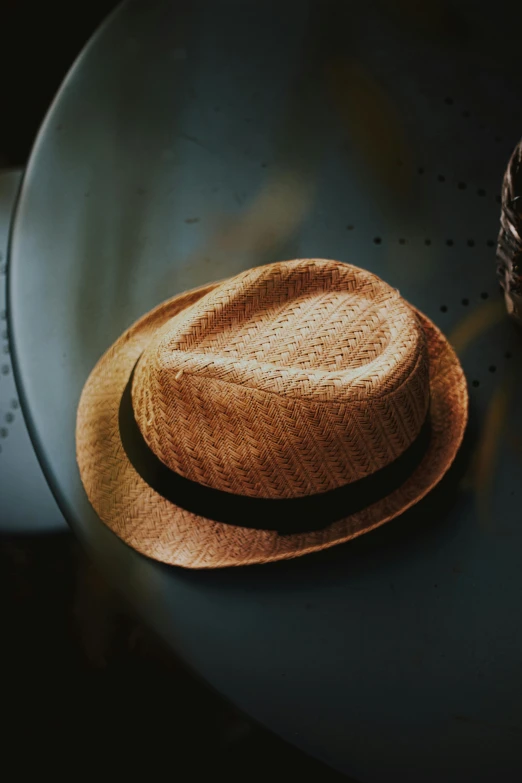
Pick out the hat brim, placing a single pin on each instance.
(166, 532)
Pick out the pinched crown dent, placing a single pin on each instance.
(287, 379)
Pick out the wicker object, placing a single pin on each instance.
(288, 381)
(509, 246)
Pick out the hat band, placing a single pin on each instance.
(283, 515)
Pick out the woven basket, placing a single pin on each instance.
(509, 245)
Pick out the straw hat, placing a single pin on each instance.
(286, 409)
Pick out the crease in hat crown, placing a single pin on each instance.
(286, 380)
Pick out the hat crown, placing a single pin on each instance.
(289, 379)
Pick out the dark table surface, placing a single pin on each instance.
(195, 139)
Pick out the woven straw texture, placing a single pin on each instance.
(288, 379)
(509, 246)
(270, 385)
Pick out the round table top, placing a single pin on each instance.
(194, 139)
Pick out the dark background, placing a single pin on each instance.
(85, 688)
(40, 41)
